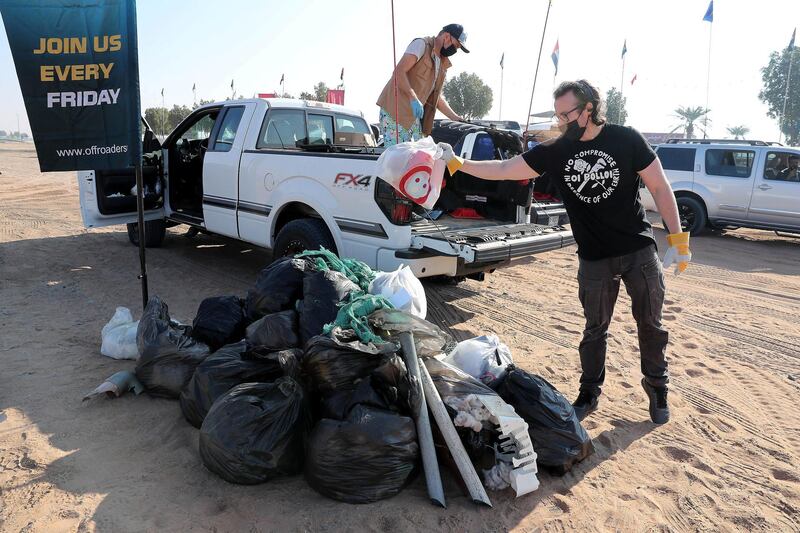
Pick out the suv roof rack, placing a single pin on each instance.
(751, 142)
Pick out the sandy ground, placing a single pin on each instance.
(728, 460)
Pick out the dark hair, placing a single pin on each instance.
(586, 93)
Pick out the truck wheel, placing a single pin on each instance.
(154, 233)
(692, 215)
(303, 234)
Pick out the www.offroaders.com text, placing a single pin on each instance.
(84, 72)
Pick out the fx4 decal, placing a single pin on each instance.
(345, 179)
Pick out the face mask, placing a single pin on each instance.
(447, 52)
(573, 131)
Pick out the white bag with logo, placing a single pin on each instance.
(415, 169)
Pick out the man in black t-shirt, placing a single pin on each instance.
(598, 169)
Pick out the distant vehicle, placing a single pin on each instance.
(732, 184)
(293, 175)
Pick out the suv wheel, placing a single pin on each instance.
(692, 215)
(303, 234)
(154, 233)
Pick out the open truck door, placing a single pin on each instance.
(108, 197)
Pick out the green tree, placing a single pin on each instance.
(615, 107)
(176, 116)
(157, 118)
(738, 131)
(3, 133)
(320, 93)
(468, 96)
(201, 103)
(689, 116)
(775, 80)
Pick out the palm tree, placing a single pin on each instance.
(738, 131)
(688, 116)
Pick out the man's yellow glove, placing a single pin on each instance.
(453, 161)
(678, 251)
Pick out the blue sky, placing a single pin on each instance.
(255, 42)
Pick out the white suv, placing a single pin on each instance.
(732, 184)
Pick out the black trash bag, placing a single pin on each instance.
(398, 388)
(322, 292)
(368, 457)
(288, 360)
(276, 331)
(558, 437)
(256, 432)
(338, 405)
(220, 320)
(229, 366)
(337, 363)
(168, 355)
(277, 288)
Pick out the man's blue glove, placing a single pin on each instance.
(417, 108)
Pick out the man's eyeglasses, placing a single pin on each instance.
(564, 117)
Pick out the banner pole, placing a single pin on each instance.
(538, 59)
(140, 213)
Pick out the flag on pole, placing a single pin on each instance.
(554, 57)
(231, 84)
(502, 58)
(341, 76)
(162, 92)
(791, 43)
(281, 82)
(634, 78)
(194, 87)
(709, 16)
(624, 48)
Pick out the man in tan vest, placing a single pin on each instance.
(419, 79)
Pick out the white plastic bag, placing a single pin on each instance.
(484, 358)
(119, 336)
(415, 169)
(403, 289)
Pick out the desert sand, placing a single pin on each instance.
(727, 461)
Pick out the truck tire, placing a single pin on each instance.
(154, 233)
(303, 234)
(692, 215)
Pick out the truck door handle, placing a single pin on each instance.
(764, 187)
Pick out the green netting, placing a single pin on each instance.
(356, 271)
(354, 315)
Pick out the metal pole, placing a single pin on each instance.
(708, 80)
(424, 434)
(621, 88)
(785, 96)
(476, 490)
(500, 113)
(140, 213)
(538, 59)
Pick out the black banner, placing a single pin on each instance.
(78, 68)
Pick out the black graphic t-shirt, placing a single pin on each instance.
(599, 184)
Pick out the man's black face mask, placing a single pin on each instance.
(450, 50)
(572, 130)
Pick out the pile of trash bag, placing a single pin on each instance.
(558, 437)
(168, 354)
(256, 432)
(369, 456)
(220, 320)
(229, 366)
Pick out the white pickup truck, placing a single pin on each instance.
(292, 175)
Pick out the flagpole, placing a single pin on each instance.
(163, 114)
(538, 59)
(500, 112)
(786, 95)
(708, 79)
(621, 90)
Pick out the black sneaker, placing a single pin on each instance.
(659, 410)
(586, 404)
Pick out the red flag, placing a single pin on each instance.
(341, 76)
(634, 78)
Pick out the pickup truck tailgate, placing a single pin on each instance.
(490, 244)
